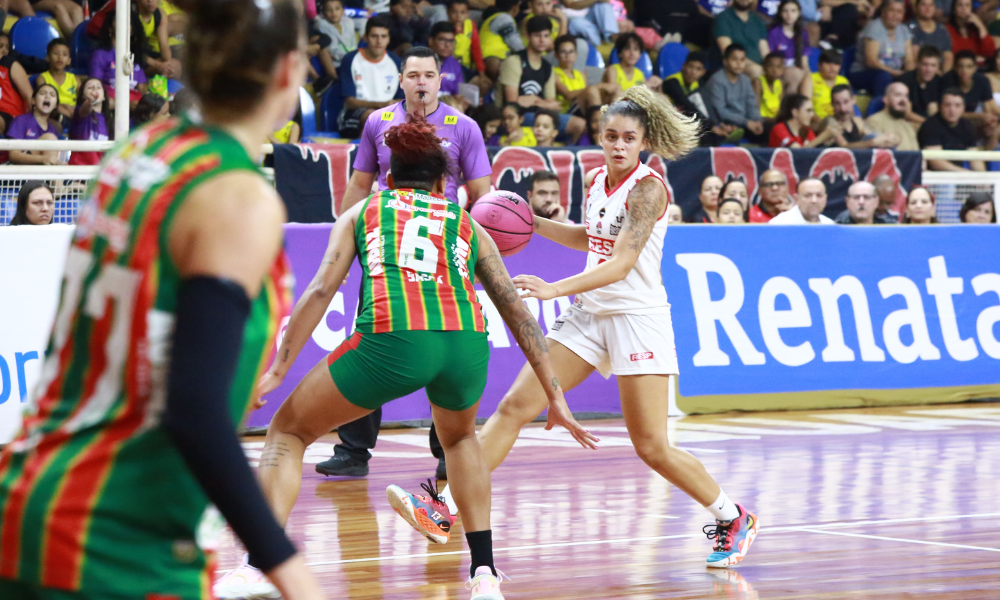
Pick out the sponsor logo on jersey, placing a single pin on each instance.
(387, 116)
(600, 246)
(641, 356)
(615, 227)
(397, 204)
(451, 120)
(599, 225)
(92, 221)
(601, 213)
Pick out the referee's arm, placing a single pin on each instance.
(360, 187)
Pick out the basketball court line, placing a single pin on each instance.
(781, 529)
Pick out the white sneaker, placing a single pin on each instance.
(485, 585)
(244, 583)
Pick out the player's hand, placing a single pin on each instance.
(267, 384)
(535, 287)
(559, 414)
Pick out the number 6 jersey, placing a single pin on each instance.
(418, 252)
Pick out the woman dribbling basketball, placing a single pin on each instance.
(620, 322)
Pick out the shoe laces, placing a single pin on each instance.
(431, 492)
(722, 533)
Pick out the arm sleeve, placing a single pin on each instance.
(367, 157)
(15, 130)
(211, 314)
(505, 27)
(473, 159)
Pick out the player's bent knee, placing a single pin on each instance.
(652, 450)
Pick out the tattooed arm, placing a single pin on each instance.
(646, 204)
(493, 275)
(311, 307)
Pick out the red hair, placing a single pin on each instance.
(417, 156)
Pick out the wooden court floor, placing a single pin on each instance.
(878, 503)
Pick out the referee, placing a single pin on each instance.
(420, 79)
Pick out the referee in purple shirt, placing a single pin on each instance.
(420, 79)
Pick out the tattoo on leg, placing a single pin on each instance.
(272, 454)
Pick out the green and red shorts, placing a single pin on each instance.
(372, 369)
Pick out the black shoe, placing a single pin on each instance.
(442, 470)
(343, 465)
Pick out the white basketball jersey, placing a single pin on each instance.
(642, 291)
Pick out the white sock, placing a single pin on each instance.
(723, 508)
(448, 500)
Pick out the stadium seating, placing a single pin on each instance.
(814, 59)
(309, 129)
(594, 58)
(671, 59)
(82, 48)
(31, 35)
(645, 63)
(330, 105)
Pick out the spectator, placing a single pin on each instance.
(980, 109)
(291, 133)
(31, 65)
(685, 91)
(593, 20)
(467, 48)
(920, 207)
(769, 88)
(927, 32)
(735, 188)
(151, 108)
(978, 208)
(343, 38)
(853, 134)
(731, 98)
(513, 122)
(861, 203)
(740, 24)
(406, 27)
(369, 78)
(498, 35)
(544, 8)
(529, 80)
(892, 118)
(883, 50)
(789, 39)
(89, 122)
(678, 20)
(809, 205)
(819, 85)
(37, 125)
(159, 57)
(674, 214)
(102, 66)
(572, 90)
(593, 135)
(885, 188)
(68, 14)
(924, 85)
(968, 32)
(544, 197)
(730, 212)
(489, 118)
(839, 21)
(15, 88)
(625, 73)
(774, 198)
(442, 42)
(35, 205)
(66, 83)
(546, 128)
(947, 130)
(709, 198)
(793, 122)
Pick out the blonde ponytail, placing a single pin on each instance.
(668, 132)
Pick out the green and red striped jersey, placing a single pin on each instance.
(418, 252)
(93, 494)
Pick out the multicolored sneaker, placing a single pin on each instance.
(732, 539)
(485, 585)
(427, 514)
(244, 583)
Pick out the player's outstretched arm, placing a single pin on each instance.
(567, 234)
(646, 204)
(492, 273)
(311, 307)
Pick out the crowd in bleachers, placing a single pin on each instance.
(903, 74)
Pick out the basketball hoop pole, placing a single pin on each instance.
(123, 72)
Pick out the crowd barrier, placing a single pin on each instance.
(766, 317)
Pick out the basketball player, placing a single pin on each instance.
(420, 316)
(620, 321)
(420, 78)
(174, 283)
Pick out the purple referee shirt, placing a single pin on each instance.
(462, 140)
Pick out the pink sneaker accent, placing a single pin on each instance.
(485, 585)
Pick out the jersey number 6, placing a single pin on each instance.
(413, 241)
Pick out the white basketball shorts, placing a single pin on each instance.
(619, 344)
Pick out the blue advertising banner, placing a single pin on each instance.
(773, 309)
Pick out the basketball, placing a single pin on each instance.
(507, 218)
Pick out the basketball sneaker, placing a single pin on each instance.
(427, 514)
(485, 585)
(244, 583)
(732, 539)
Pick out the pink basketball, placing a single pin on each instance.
(507, 218)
